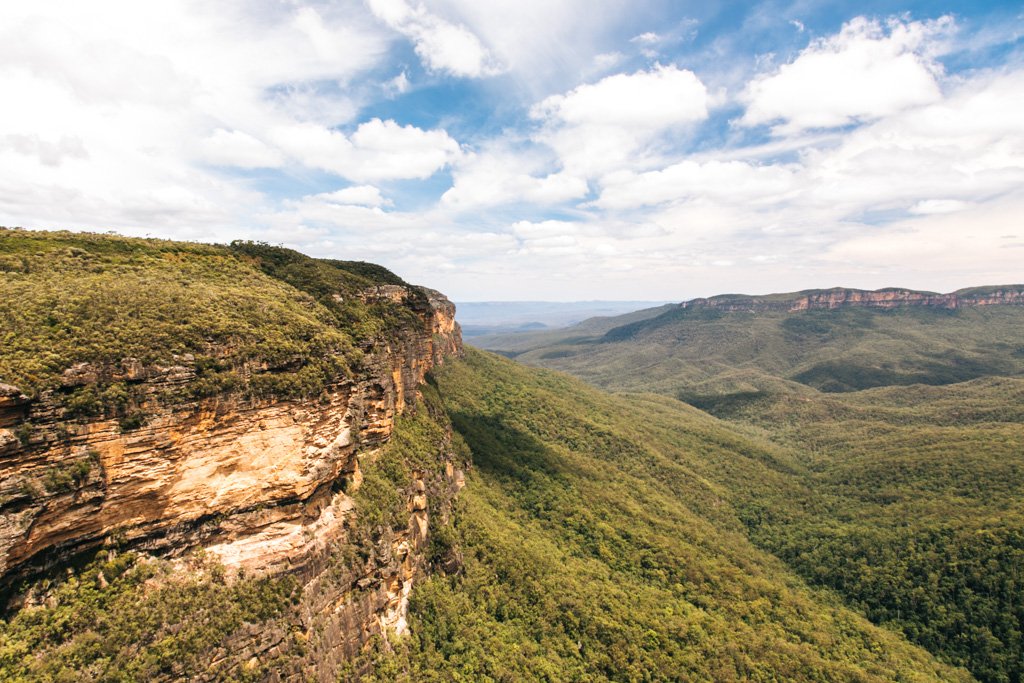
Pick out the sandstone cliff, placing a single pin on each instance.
(883, 298)
(262, 485)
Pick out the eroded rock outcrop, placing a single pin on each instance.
(263, 486)
(883, 298)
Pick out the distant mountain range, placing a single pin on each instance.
(500, 317)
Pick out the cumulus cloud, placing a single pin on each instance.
(117, 101)
(923, 197)
(931, 206)
(647, 38)
(356, 195)
(544, 46)
(441, 45)
(866, 71)
(377, 150)
(608, 60)
(662, 97)
(47, 152)
(968, 146)
(399, 85)
(498, 175)
(547, 238)
(941, 241)
(239, 149)
(599, 127)
(731, 181)
(385, 149)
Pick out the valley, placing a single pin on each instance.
(906, 419)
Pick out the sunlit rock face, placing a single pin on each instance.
(882, 298)
(264, 486)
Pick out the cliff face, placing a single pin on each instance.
(263, 486)
(882, 298)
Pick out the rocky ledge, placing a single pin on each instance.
(882, 298)
(261, 485)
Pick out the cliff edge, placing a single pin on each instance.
(165, 398)
(840, 297)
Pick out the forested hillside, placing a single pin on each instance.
(705, 350)
(908, 429)
(605, 538)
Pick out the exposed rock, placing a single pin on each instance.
(882, 298)
(263, 486)
(8, 392)
(13, 406)
(393, 293)
(80, 374)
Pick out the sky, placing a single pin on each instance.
(551, 150)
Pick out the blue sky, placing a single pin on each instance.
(530, 149)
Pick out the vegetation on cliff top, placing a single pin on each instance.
(248, 317)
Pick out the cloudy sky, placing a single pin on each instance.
(535, 149)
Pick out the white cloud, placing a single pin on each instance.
(968, 147)
(932, 206)
(357, 195)
(661, 97)
(607, 60)
(441, 45)
(377, 150)
(498, 175)
(605, 126)
(648, 38)
(117, 100)
(48, 153)
(547, 238)
(239, 149)
(865, 72)
(728, 181)
(387, 150)
(399, 85)
(544, 46)
(948, 242)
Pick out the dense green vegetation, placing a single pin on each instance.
(419, 437)
(601, 544)
(906, 498)
(249, 317)
(126, 618)
(926, 528)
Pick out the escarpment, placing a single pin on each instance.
(883, 298)
(140, 455)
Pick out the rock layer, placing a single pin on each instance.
(883, 298)
(262, 485)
